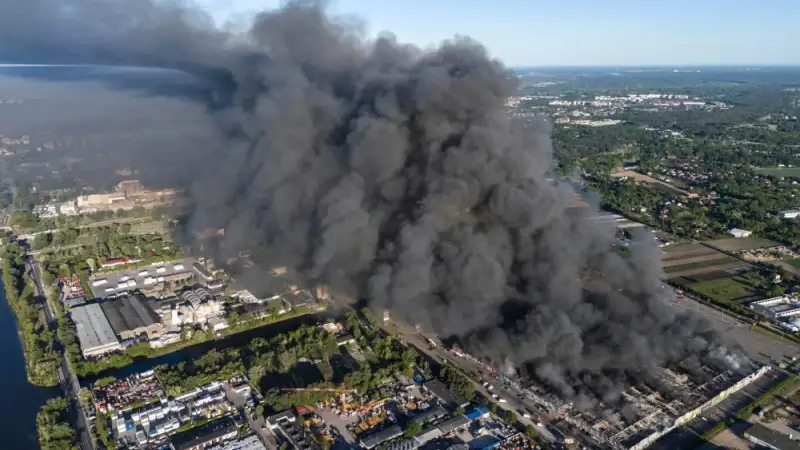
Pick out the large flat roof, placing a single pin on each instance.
(129, 313)
(775, 439)
(94, 329)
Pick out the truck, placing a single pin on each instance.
(161, 269)
(177, 267)
(144, 273)
(99, 282)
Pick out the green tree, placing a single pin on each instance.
(412, 429)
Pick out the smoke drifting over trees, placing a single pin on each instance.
(394, 173)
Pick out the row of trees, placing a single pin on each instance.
(36, 338)
(272, 363)
(55, 433)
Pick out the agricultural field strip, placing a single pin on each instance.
(698, 265)
(702, 270)
(696, 259)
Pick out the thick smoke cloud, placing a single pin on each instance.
(395, 174)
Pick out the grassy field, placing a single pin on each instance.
(736, 244)
(698, 265)
(779, 171)
(723, 290)
(793, 262)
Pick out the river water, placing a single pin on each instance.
(189, 353)
(20, 400)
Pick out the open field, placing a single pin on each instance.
(736, 244)
(793, 262)
(779, 171)
(709, 273)
(700, 264)
(722, 290)
(697, 262)
(647, 179)
(686, 251)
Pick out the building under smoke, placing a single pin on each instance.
(393, 174)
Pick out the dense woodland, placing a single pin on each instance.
(760, 130)
(36, 338)
(52, 423)
(306, 357)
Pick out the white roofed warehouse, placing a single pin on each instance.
(94, 330)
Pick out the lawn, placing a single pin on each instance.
(698, 264)
(722, 290)
(780, 171)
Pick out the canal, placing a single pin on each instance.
(195, 351)
(20, 399)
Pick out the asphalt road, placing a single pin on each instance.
(513, 402)
(67, 378)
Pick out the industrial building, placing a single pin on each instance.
(764, 437)
(651, 414)
(739, 233)
(286, 427)
(448, 398)
(778, 307)
(131, 316)
(127, 195)
(789, 214)
(95, 333)
(248, 443)
(204, 436)
(375, 439)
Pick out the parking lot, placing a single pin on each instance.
(131, 277)
(762, 348)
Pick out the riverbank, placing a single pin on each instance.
(142, 352)
(37, 340)
(191, 350)
(53, 428)
(21, 399)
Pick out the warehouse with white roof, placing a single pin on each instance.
(94, 330)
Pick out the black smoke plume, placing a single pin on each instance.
(394, 174)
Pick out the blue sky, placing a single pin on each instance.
(584, 32)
